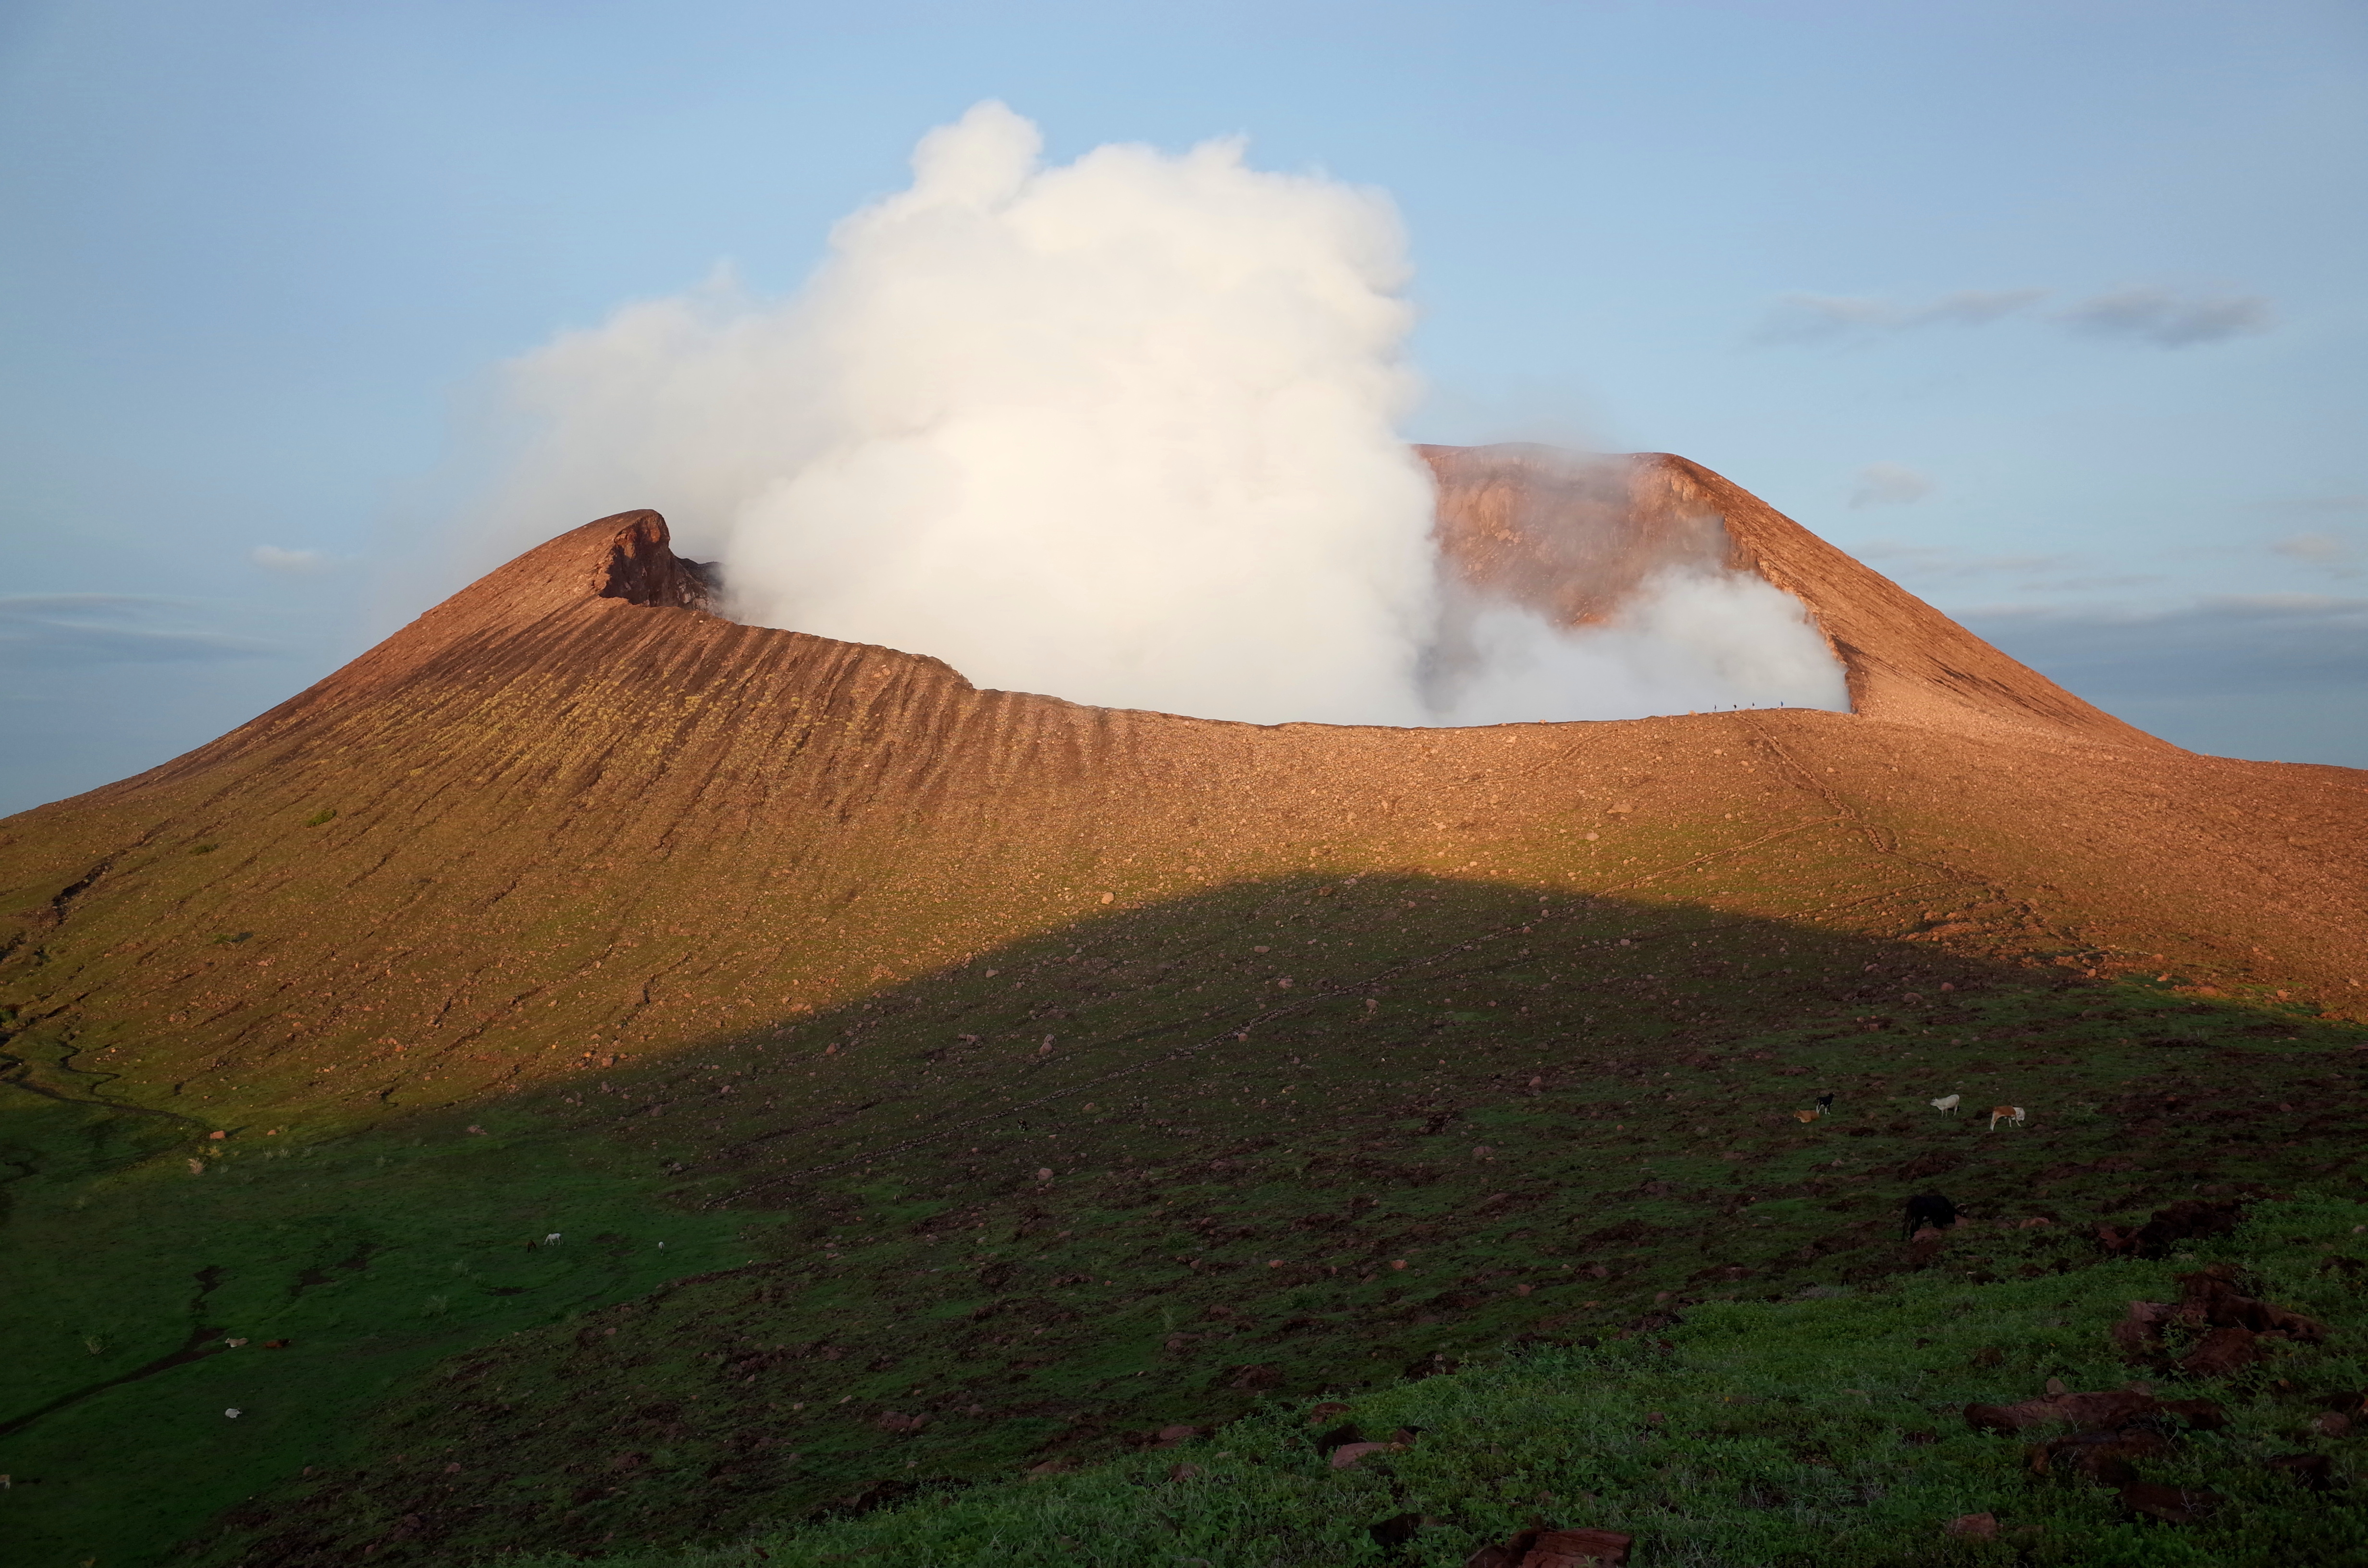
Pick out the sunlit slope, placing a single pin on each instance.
(547, 823)
(576, 909)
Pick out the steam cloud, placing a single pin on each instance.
(1123, 431)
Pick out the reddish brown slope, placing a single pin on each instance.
(570, 822)
(1574, 536)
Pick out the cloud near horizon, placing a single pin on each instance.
(2238, 644)
(2160, 317)
(67, 630)
(2333, 553)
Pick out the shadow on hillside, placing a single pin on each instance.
(1385, 990)
(1476, 1115)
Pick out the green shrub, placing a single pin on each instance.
(1827, 1430)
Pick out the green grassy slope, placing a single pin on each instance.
(1826, 1429)
(854, 1200)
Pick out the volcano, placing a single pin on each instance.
(814, 949)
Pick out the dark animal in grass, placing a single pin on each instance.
(1824, 1103)
(1929, 1209)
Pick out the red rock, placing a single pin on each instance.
(1578, 1549)
(2172, 1505)
(2111, 1408)
(1976, 1527)
(1169, 1437)
(2212, 1294)
(2101, 1456)
(1346, 1456)
(2221, 1352)
(2201, 1414)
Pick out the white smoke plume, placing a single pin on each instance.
(1123, 431)
(1695, 637)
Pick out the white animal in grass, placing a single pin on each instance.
(2010, 1114)
(1948, 1103)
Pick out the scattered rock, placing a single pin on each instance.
(1346, 1456)
(1578, 1548)
(2172, 1505)
(1255, 1376)
(2212, 1292)
(2103, 1456)
(1556, 1548)
(2210, 1300)
(2111, 1408)
(1974, 1527)
(2311, 1472)
(1169, 1437)
(2186, 1220)
(2221, 1352)
(1319, 1414)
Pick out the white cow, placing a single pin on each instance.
(1948, 1103)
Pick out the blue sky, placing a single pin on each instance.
(2053, 311)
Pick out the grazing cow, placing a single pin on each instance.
(2011, 1114)
(1929, 1209)
(1948, 1103)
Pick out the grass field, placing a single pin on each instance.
(1822, 1430)
(900, 1244)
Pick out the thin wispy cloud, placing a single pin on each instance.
(289, 563)
(2251, 644)
(2170, 321)
(1820, 318)
(1936, 566)
(2332, 553)
(2162, 317)
(1888, 484)
(65, 631)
